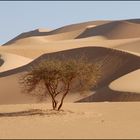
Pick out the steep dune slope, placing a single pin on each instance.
(114, 30)
(114, 64)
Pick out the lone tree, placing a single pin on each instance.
(58, 77)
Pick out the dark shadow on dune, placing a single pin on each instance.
(114, 65)
(22, 113)
(108, 30)
(32, 112)
(106, 94)
(1, 61)
(134, 21)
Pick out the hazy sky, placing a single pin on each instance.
(22, 16)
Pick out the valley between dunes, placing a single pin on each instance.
(110, 111)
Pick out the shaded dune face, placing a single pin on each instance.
(114, 64)
(1, 61)
(110, 59)
(77, 26)
(106, 94)
(113, 30)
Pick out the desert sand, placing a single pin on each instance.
(112, 112)
(84, 120)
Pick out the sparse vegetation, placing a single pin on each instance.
(57, 77)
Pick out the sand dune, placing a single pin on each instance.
(12, 61)
(37, 32)
(119, 62)
(10, 91)
(65, 29)
(37, 46)
(133, 46)
(122, 83)
(79, 26)
(114, 30)
(114, 43)
(36, 37)
(123, 35)
(85, 25)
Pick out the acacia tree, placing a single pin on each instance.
(59, 77)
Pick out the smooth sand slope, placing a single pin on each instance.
(122, 83)
(12, 61)
(132, 46)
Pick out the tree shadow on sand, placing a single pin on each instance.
(32, 112)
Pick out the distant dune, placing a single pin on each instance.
(65, 29)
(114, 30)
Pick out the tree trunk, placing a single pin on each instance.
(54, 103)
(62, 100)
